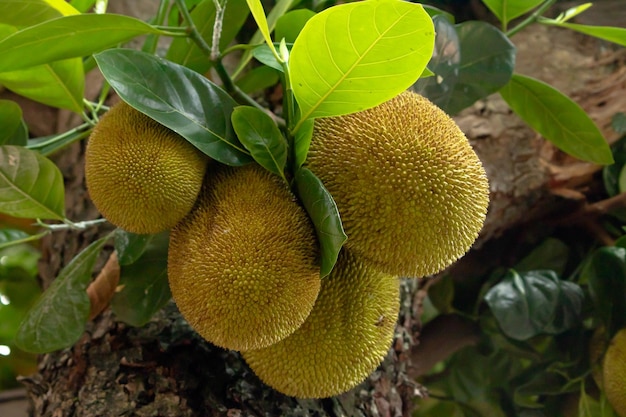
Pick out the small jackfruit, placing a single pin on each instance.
(142, 176)
(411, 192)
(614, 373)
(243, 266)
(345, 338)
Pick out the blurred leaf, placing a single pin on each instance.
(258, 79)
(535, 302)
(260, 135)
(550, 254)
(10, 235)
(12, 127)
(130, 246)
(605, 272)
(589, 406)
(68, 37)
(31, 186)
(557, 118)
(58, 318)
(302, 142)
(464, 70)
(23, 257)
(433, 11)
(538, 383)
(178, 98)
(323, 212)
(390, 43)
(82, 5)
(185, 52)
(144, 287)
(289, 25)
(10, 318)
(607, 33)
(507, 10)
(23, 13)
(573, 12)
(441, 294)
(618, 123)
(611, 173)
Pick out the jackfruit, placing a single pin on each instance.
(345, 338)
(411, 192)
(142, 176)
(243, 266)
(614, 373)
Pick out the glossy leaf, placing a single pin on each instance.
(605, 272)
(507, 10)
(290, 24)
(178, 98)
(608, 33)
(323, 212)
(355, 56)
(302, 142)
(559, 119)
(58, 318)
(12, 127)
(260, 135)
(256, 8)
(258, 79)
(464, 70)
(68, 37)
(22, 13)
(31, 186)
(185, 52)
(130, 246)
(144, 286)
(535, 302)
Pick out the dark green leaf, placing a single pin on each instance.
(58, 318)
(289, 25)
(441, 294)
(258, 79)
(260, 135)
(31, 186)
(178, 98)
(612, 34)
(302, 142)
(533, 303)
(539, 382)
(130, 246)
(323, 212)
(433, 11)
(550, 254)
(185, 52)
(559, 119)
(507, 10)
(464, 70)
(144, 287)
(605, 272)
(618, 123)
(357, 55)
(611, 173)
(12, 127)
(68, 37)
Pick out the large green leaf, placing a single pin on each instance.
(507, 10)
(559, 119)
(605, 273)
(257, 79)
(12, 127)
(178, 98)
(535, 302)
(260, 135)
(144, 286)
(289, 25)
(324, 214)
(58, 318)
(357, 55)
(23, 13)
(465, 71)
(31, 186)
(608, 33)
(68, 37)
(185, 52)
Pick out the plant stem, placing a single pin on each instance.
(152, 41)
(532, 18)
(217, 29)
(69, 225)
(192, 30)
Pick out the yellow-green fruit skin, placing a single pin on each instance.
(142, 176)
(243, 266)
(614, 373)
(411, 191)
(344, 339)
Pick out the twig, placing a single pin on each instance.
(532, 18)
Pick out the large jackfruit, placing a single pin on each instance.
(243, 266)
(344, 339)
(411, 192)
(142, 176)
(614, 373)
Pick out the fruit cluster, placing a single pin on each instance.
(243, 260)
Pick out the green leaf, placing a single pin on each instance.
(608, 33)
(611, 173)
(260, 135)
(618, 123)
(31, 186)
(357, 55)
(23, 13)
(144, 287)
(82, 5)
(550, 254)
(605, 272)
(264, 55)
(130, 246)
(323, 212)
(12, 127)
(507, 10)
(289, 25)
(258, 13)
(185, 52)
(58, 318)
(178, 98)
(258, 79)
(68, 37)
(559, 119)
(47, 145)
(535, 302)
(302, 142)
(465, 71)
(11, 235)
